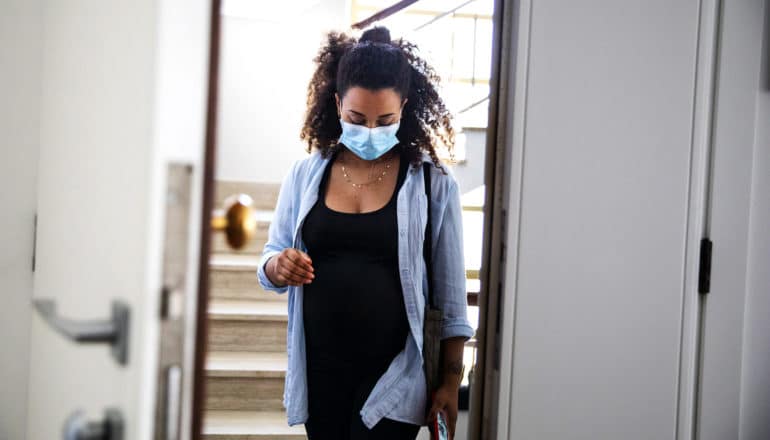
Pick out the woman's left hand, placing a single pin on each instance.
(445, 400)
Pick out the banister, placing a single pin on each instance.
(383, 14)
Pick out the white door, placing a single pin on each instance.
(609, 134)
(123, 88)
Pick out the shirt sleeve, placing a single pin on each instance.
(449, 268)
(280, 233)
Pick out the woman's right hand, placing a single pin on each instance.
(290, 267)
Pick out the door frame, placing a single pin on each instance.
(486, 393)
(733, 135)
(483, 405)
(207, 207)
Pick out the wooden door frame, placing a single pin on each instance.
(209, 166)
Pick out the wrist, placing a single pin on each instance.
(269, 270)
(453, 379)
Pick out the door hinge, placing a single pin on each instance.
(704, 276)
(34, 242)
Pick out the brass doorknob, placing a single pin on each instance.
(236, 220)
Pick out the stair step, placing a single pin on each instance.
(253, 247)
(246, 364)
(245, 381)
(264, 195)
(255, 326)
(235, 277)
(250, 425)
(244, 393)
(248, 310)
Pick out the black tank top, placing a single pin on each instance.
(354, 308)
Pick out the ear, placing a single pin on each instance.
(403, 104)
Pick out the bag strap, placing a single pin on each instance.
(427, 245)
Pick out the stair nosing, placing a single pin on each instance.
(234, 262)
(259, 372)
(268, 424)
(276, 311)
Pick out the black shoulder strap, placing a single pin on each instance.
(427, 245)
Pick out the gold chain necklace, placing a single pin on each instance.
(361, 185)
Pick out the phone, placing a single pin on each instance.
(438, 429)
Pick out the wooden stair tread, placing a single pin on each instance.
(246, 364)
(247, 310)
(250, 423)
(234, 262)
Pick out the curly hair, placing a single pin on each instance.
(374, 62)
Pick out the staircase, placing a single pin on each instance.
(246, 361)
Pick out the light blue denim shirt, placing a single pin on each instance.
(400, 393)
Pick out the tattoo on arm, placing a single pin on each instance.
(455, 367)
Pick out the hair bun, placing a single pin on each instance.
(378, 34)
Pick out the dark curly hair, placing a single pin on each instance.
(375, 62)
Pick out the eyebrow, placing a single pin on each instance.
(363, 115)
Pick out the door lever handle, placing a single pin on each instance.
(77, 427)
(113, 331)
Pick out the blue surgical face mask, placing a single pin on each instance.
(369, 143)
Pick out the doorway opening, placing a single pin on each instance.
(255, 116)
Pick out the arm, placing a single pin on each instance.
(281, 231)
(449, 267)
(452, 361)
(451, 296)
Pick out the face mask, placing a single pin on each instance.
(369, 143)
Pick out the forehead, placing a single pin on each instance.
(371, 102)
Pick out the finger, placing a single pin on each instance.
(451, 417)
(283, 279)
(307, 258)
(302, 259)
(299, 271)
(300, 268)
(451, 424)
(433, 412)
(291, 277)
(300, 264)
(290, 265)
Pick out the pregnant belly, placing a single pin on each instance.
(355, 308)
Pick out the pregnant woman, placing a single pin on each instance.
(346, 242)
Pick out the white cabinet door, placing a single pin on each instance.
(606, 209)
(122, 94)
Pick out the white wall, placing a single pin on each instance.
(470, 173)
(20, 46)
(755, 380)
(266, 64)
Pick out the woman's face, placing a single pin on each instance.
(370, 108)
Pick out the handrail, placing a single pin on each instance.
(443, 14)
(383, 14)
(470, 107)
